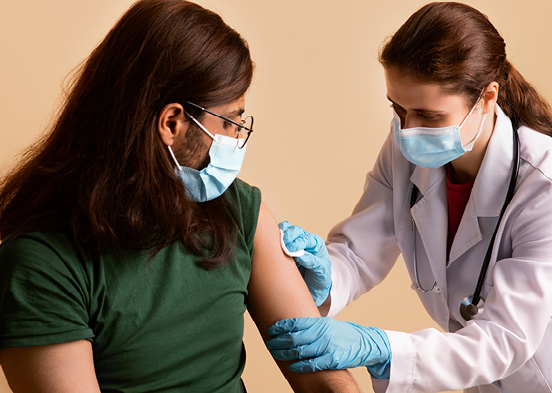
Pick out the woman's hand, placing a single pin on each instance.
(314, 265)
(328, 344)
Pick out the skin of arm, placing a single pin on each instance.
(324, 308)
(277, 291)
(57, 368)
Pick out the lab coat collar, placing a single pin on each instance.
(491, 184)
(427, 178)
(431, 213)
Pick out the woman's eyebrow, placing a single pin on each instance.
(418, 110)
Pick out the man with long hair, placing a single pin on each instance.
(130, 251)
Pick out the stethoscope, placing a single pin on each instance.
(471, 304)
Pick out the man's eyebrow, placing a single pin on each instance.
(236, 113)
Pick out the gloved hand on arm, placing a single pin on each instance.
(328, 344)
(314, 265)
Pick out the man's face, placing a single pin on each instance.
(193, 149)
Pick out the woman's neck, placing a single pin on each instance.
(465, 168)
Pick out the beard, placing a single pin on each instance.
(193, 153)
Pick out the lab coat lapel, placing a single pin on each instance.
(431, 218)
(489, 189)
(468, 233)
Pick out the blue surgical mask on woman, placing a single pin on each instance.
(433, 147)
(225, 163)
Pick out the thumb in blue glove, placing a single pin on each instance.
(314, 265)
(328, 344)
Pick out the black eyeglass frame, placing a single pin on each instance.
(240, 126)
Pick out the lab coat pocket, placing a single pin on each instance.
(529, 378)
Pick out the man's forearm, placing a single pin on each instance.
(324, 381)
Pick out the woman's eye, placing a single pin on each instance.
(402, 112)
(430, 117)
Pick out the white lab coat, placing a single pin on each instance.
(508, 347)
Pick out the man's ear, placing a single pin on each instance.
(172, 124)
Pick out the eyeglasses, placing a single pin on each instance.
(246, 124)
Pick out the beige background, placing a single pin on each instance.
(318, 99)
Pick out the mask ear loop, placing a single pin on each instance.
(470, 144)
(472, 109)
(200, 125)
(173, 157)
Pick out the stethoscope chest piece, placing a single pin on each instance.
(468, 310)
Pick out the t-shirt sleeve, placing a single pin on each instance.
(248, 202)
(43, 292)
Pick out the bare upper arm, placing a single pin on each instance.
(59, 368)
(277, 291)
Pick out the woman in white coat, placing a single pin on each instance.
(467, 127)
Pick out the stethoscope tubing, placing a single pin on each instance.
(509, 196)
(469, 306)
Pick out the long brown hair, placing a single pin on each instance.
(456, 46)
(102, 172)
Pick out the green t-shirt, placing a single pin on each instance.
(163, 325)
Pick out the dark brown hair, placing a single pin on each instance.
(102, 172)
(456, 46)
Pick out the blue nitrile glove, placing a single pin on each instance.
(314, 265)
(329, 344)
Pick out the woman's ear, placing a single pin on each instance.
(489, 97)
(172, 124)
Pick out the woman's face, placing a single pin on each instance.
(427, 105)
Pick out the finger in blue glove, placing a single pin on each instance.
(330, 344)
(315, 264)
(293, 254)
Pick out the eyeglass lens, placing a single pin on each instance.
(243, 132)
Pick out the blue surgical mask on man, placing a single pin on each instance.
(433, 147)
(225, 163)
